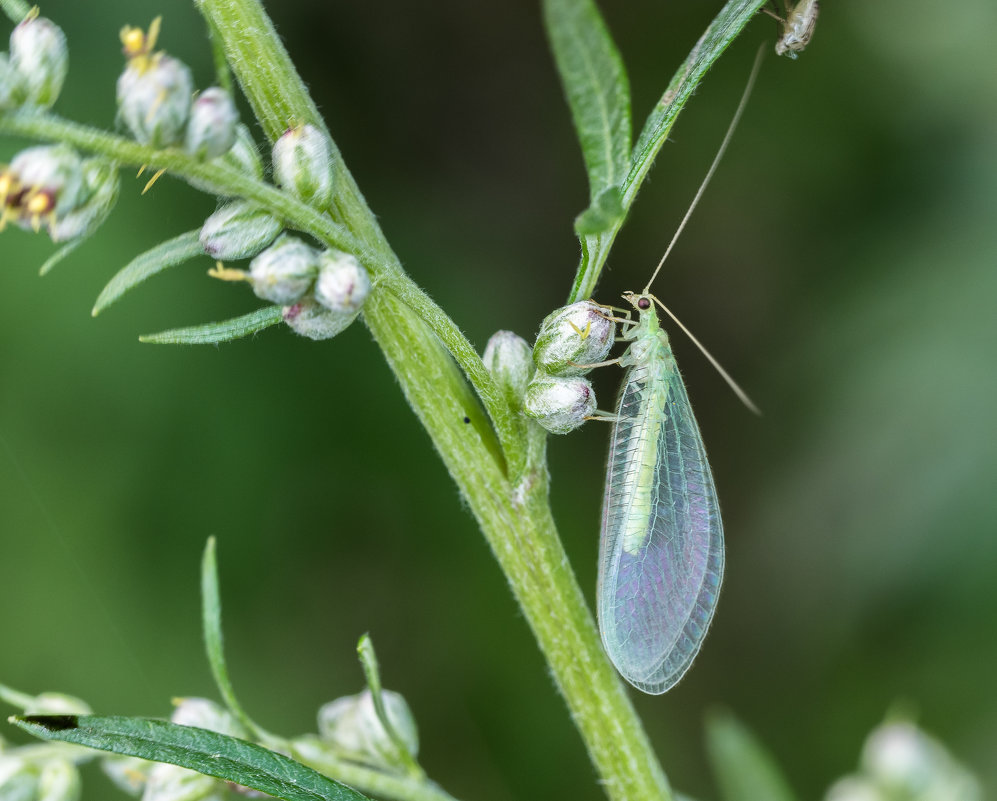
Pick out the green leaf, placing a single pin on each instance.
(722, 31)
(718, 36)
(744, 769)
(368, 659)
(15, 9)
(595, 82)
(211, 333)
(166, 254)
(211, 616)
(605, 212)
(60, 254)
(205, 751)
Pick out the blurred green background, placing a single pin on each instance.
(841, 266)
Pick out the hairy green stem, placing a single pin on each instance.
(515, 518)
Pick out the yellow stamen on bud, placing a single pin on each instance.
(223, 273)
(8, 185)
(38, 203)
(137, 45)
(153, 180)
(32, 14)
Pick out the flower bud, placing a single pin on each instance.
(45, 182)
(284, 272)
(510, 361)
(243, 156)
(102, 185)
(311, 319)
(206, 714)
(11, 85)
(171, 783)
(59, 780)
(212, 128)
(351, 727)
(852, 788)
(238, 230)
(39, 54)
(154, 99)
(578, 334)
(18, 778)
(128, 774)
(302, 164)
(900, 755)
(56, 704)
(559, 404)
(343, 283)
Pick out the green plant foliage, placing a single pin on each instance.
(166, 254)
(212, 333)
(207, 752)
(744, 769)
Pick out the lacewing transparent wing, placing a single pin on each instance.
(661, 552)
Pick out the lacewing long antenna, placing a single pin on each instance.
(741, 394)
(716, 162)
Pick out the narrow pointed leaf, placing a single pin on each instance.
(718, 36)
(57, 257)
(211, 616)
(205, 751)
(211, 333)
(368, 659)
(595, 82)
(722, 31)
(744, 769)
(166, 254)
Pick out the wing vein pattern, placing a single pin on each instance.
(662, 555)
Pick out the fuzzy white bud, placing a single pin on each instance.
(206, 714)
(343, 283)
(243, 155)
(128, 774)
(154, 99)
(311, 319)
(211, 131)
(509, 359)
(59, 780)
(102, 185)
(351, 727)
(852, 788)
(574, 335)
(42, 184)
(238, 230)
(302, 164)
(38, 52)
(11, 85)
(559, 404)
(285, 271)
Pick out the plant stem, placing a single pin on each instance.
(515, 518)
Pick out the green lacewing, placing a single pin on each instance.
(661, 549)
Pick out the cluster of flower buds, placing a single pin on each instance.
(156, 101)
(158, 781)
(322, 291)
(302, 165)
(51, 186)
(45, 772)
(571, 341)
(349, 728)
(33, 72)
(902, 763)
